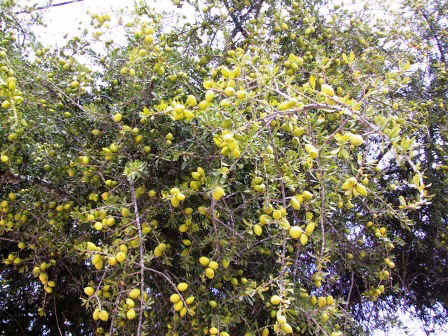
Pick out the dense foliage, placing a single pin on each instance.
(264, 167)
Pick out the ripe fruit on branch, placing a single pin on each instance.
(275, 300)
(218, 193)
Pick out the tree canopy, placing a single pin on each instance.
(260, 168)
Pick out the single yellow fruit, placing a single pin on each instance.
(275, 299)
(213, 331)
(130, 303)
(295, 232)
(117, 117)
(89, 291)
(182, 287)
(121, 256)
(131, 314)
(134, 293)
(103, 315)
(96, 314)
(258, 230)
(178, 306)
(303, 239)
(213, 265)
(204, 261)
(209, 273)
(174, 298)
(218, 193)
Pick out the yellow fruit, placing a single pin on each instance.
(286, 328)
(174, 298)
(134, 293)
(89, 291)
(182, 287)
(324, 317)
(189, 300)
(191, 101)
(209, 96)
(295, 203)
(103, 315)
(322, 301)
(6, 104)
(213, 265)
(130, 303)
(277, 214)
(310, 228)
(121, 256)
(117, 117)
(275, 299)
(209, 273)
(204, 261)
(295, 232)
(96, 314)
(43, 277)
(258, 230)
(229, 91)
(213, 331)
(355, 139)
(307, 195)
(303, 239)
(178, 306)
(218, 193)
(130, 314)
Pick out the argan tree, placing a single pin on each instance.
(229, 175)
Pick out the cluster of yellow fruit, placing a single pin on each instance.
(213, 331)
(322, 301)
(354, 139)
(100, 314)
(258, 185)
(180, 112)
(40, 271)
(109, 152)
(176, 197)
(210, 266)
(281, 323)
(229, 145)
(277, 214)
(130, 304)
(293, 63)
(178, 302)
(185, 226)
(100, 19)
(353, 188)
(374, 292)
(297, 200)
(12, 260)
(296, 232)
(160, 249)
(198, 179)
(9, 89)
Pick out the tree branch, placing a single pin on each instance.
(49, 6)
